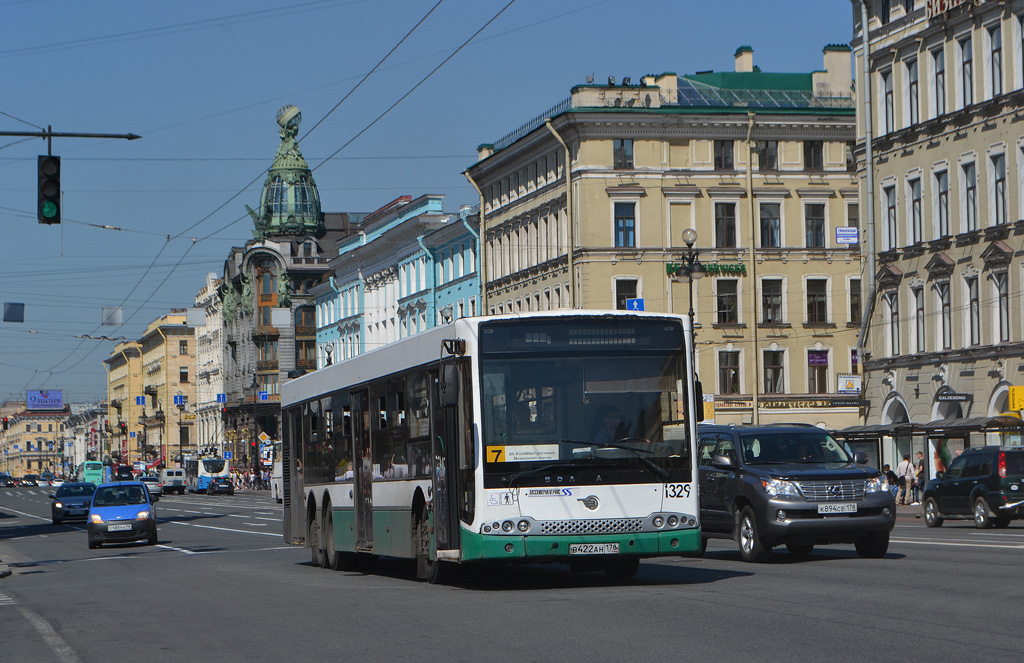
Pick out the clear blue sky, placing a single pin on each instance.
(202, 81)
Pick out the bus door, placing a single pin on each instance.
(444, 477)
(363, 475)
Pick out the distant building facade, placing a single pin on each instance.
(585, 207)
(945, 337)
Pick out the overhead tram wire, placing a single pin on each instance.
(335, 153)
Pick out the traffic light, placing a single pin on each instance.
(124, 428)
(49, 189)
(5, 423)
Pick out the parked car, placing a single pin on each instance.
(46, 479)
(220, 485)
(71, 502)
(7, 481)
(122, 511)
(152, 483)
(764, 486)
(172, 479)
(984, 483)
(30, 480)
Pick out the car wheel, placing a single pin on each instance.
(981, 518)
(932, 515)
(57, 521)
(800, 549)
(152, 538)
(873, 545)
(1001, 521)
(752, 548)
(93, 544)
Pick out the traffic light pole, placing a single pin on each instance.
(49, 135)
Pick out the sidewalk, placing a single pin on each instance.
(909, 511)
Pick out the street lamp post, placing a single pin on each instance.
(329, 349)
(692, 269)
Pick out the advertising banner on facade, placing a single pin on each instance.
(45, 400)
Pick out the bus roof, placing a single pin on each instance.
(420, 349)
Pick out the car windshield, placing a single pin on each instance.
(812, 446)
(76, 490)
(119, 496)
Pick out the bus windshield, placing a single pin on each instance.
(600, 400)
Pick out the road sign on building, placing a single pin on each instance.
(635, 304)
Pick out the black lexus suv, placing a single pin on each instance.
(796, 485)
(984, 483)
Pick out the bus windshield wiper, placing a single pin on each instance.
(535, 470)
(657, 469)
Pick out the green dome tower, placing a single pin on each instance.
(290, 204)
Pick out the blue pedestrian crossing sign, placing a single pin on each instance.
(635, 304)
(227, 455)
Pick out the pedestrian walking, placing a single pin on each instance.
(920, 477)
(906, 473)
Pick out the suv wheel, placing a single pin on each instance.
(932, 515)
(1001, 521)
(873, 545)
(800, 549)
(981, 518)
(752, 548)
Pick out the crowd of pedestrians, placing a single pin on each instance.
(907, 482)
(251, 480)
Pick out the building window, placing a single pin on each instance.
(768, 155)
(817, 301)
(723, 155)
(1001, 282)
(625, 224)
(623, 154)
(774, 382)
(893, 300)
(973, 311)
(727, 301)
(771, 226)
(771, 301)
(914, 220)
(183, 374)
(725, 225)
(814, 155)
(913, 101)
(856, 307)
(995, 40)
(814, 225)
(889, 193)
(182, 347)
(729, 372)
(817, 372)
(942, 204)
(888, 103)
(970, 181)
(946, 316)
(966, 73)
(939, 82)
(919, 320)
(625, 289)
(853, 215)
(999, 213)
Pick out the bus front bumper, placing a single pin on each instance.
(678, 543)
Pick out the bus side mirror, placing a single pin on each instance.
(449, 386)
(698, 400)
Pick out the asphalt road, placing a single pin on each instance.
(221, 586)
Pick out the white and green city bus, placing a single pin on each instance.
(566, 436)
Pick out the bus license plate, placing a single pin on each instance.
(844, 507)
(594, 548)
(118, 528)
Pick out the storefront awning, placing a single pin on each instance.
(875, 431)
(971, 424)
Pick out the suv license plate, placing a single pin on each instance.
(119, 528)
(845, 507)
(593, 548)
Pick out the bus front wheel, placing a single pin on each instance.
(313, 541)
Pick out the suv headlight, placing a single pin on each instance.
(777, 487)
(876, 485)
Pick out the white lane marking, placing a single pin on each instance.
(6, 600)
(27, 515)
(256, 524)
(225, 529)
(60, 648)
(1012, 546)
(181, 550)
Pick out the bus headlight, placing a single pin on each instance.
(658, 521)
(524, 526)
(672, 521)
(507, 526)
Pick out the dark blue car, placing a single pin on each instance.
(122, 512)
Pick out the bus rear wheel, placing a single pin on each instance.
(313, 541)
